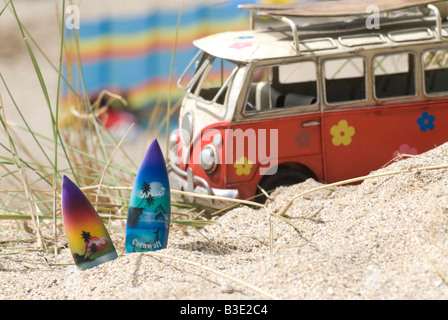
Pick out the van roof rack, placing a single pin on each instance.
(341, 8)
(344, 8)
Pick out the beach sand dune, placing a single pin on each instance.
(385, 238)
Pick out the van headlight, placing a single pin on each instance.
(187, 128)
(208, 158)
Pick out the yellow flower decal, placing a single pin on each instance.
(342, 133)
(243, 166)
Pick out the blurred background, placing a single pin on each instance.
(128, 49)
(125, 47)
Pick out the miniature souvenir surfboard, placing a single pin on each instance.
(149, 210)
(87, 236)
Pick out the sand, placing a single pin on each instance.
(385, 238)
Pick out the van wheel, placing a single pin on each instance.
(284, 177)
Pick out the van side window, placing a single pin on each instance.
(282, 86)
(345, 80)
(394, 75)
(298, 81)
(435, 64)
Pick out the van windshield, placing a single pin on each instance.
(208, 78)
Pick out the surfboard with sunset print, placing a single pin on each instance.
(87, 236)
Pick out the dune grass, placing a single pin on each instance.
(80, 145)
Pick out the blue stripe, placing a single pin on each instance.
(128, 73)
(166, 20)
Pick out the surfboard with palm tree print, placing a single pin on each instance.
(148, 219)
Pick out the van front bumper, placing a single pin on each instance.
(186, 181)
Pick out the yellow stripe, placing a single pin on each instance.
(153, 38)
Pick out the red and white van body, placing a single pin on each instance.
(329, 107)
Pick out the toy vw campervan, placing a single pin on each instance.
(333, 96)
